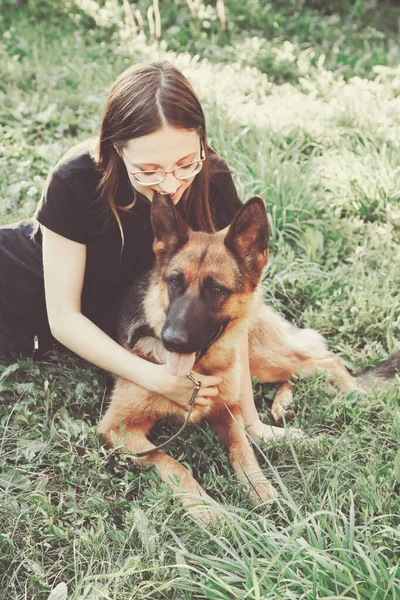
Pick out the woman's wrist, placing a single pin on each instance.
(145, 373)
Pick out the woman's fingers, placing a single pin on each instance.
(180, 389)
(207, 380)
(208, 389)
(202, 401)
(203, 392)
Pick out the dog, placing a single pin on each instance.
(191, 309)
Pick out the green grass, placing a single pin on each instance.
(319, 140)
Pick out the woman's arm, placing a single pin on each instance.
(64, 264)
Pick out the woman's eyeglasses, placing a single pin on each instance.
(183, 172)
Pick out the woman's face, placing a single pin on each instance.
(164, 150)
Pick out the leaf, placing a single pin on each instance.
(132, 564)
(35, 567)
(181, 564)
(397, 467)
(95, 591)
(147, 533)
(59, 592)
(14, 480)
(64, 415)
(313, 241)
(80, 390)
(31, 447)
(10, 369)
(59, 533)
(78, 426)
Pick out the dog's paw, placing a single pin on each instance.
(202, 509)
(282, 407)
(282, 412)
(261, 432)
(263, 493)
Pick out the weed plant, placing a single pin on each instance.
(303, 104)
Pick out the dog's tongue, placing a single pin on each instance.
(180, 364)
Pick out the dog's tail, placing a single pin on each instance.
(382, 373)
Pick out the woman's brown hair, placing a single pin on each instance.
(142, 100)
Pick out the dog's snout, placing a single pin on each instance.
(175, 340)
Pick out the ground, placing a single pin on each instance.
(304, 106)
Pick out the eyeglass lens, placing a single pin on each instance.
(183, 172)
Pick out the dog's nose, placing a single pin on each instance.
(175, 340)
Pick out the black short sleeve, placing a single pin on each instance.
(62, 210)
(224, 200)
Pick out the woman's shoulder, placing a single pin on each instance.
(69, 204)
(217, 165)
(77, 161)
(220, 174)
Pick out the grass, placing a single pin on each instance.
(319, 140)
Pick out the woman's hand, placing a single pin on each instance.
(180, 389)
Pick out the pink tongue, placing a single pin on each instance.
(180, 364)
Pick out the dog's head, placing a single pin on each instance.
(206, 280)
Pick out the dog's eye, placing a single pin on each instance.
(175, 282)
(216, 290)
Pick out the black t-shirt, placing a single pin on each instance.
(72, 207)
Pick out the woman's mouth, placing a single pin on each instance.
(174, 195)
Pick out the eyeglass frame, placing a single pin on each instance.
(165, 173)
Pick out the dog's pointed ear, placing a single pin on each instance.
(247, 236)
(170, 230)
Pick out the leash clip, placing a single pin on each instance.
(197, 387)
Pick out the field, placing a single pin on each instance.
(304, 105)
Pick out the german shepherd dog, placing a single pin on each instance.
(190, 310)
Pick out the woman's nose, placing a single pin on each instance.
(169, 184)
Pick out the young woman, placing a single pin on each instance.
(64, 272)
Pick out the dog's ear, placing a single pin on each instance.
(170, 230)
(247, 236)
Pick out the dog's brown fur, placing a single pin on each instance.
(278, 350)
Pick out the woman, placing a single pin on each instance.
(65, 271)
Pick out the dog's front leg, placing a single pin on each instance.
(134, 438)
(229, 424)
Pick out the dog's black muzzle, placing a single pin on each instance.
(177, 340)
